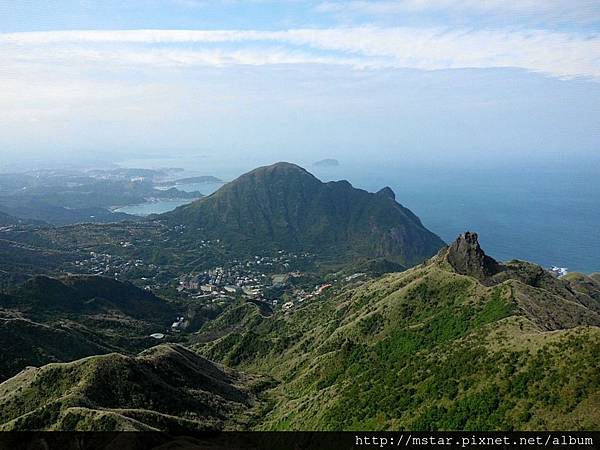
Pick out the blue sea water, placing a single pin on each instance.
(548, 215)
(155, 207)
(166, 205)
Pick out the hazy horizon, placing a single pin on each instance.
(483, 115)
(427, 82)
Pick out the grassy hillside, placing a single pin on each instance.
(166, 388)
(460, 342)
(50, 320)
(20, 261)
(428, 349)
(27, 343)
(81, 294)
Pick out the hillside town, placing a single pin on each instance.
(255, 279)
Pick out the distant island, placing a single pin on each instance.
(327, 162)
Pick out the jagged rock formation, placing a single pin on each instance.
(467, 258)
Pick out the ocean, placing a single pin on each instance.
(160, 206)
(548, 215)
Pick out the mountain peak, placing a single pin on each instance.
(286, 165)
(283, 206)
(274, 174)
(387, 192)
(466, 256)
(281, 166)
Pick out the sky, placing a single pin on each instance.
(426, 81)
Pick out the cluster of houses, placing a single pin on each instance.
(248, 278)
(112, 265)
(177, 325)
(220, 281)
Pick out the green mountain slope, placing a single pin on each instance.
(28, 343)
(284, 207)
(51, 320)
(461, 342)
(42, 296)
(19, 261)
(164, 388)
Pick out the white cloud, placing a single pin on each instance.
(553, 53)
(582, 11)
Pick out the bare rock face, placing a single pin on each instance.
(467, 258)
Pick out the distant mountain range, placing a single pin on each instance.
(283, 206)
(35, 210)
(203, 179)
(64, 198)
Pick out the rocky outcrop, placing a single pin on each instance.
(387, 192)
(467, 258)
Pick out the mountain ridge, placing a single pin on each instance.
(285, 206)
(511, 348)
(61, 319)
(438, 349)
(164, 388)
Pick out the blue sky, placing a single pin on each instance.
(433, 80)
